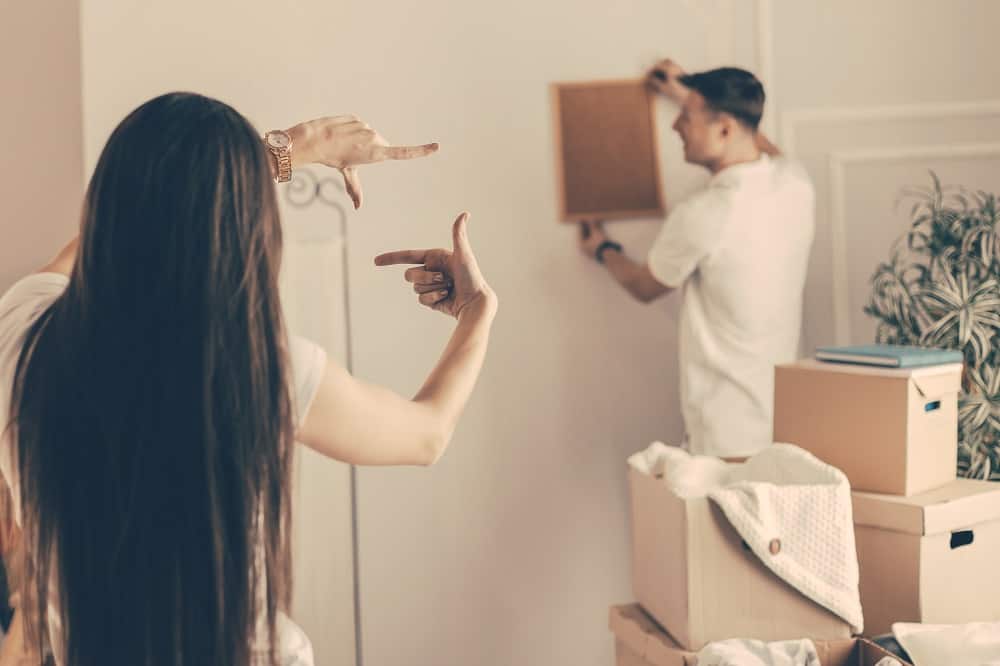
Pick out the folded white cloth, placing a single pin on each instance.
(973, 644)
(687, 475)
(743, 652)
(792, 510)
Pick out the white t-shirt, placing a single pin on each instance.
(740, 248)
(21, 306)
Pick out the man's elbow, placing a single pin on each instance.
(645, 297)
(642, 295)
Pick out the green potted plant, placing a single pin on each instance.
(941, 288)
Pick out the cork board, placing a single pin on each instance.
(607, 159)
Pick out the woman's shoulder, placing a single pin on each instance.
(307, 361)
(20, 307)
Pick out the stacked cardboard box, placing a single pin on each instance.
(694, 575)
(639, 641)
(927, 542)
(696, 582)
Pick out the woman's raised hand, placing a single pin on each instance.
(344, 143)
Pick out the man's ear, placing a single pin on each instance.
(727, 125)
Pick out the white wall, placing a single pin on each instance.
(872, 96)
(41, 183)
(510, 550)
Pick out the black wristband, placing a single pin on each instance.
(606, 245)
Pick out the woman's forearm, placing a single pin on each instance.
(452, 380)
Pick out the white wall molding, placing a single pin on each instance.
(765, 61)
(837, 161)
(792, 119)
(837, 164)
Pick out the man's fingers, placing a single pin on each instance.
(401, 257)
(590, 227)
(433, 297)
(408, 152)
(353, 184)
(421, 276)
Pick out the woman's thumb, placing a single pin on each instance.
(460, 234)
(353, 185)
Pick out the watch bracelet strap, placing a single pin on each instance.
(606, 245)
(284, 165)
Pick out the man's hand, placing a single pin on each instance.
(664, 77)
(345, 142)
(591, 236)
(448, 281)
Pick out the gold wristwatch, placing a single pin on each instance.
(280, 144)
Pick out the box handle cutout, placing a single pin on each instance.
(961, 538)
(932, 406)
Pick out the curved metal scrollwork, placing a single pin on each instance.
(306, 188)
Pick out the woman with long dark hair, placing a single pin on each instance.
(150, 396)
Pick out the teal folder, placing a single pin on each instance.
(889, 356)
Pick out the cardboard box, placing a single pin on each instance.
(639, 641)
(693, 573)
(931, 557)
(890, 430)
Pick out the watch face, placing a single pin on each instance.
(277, 139)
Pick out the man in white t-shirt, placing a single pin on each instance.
(738, 250)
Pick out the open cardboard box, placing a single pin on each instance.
(639, 641)
(692, 572)
(931, 557)
(890, 430)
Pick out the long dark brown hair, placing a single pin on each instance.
(151, 413)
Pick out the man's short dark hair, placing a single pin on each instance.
(730, 90)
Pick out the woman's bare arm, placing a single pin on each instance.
(364, 424)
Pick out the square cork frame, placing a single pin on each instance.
(607, 151)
